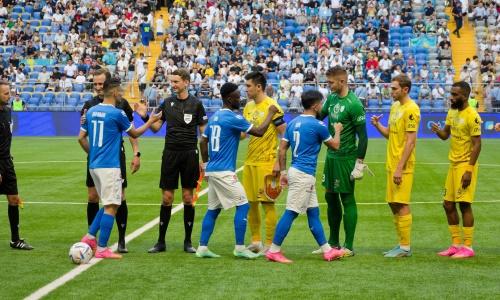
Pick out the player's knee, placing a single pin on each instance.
(449, 206)
(167, 198)
(465, 207)
(187, 197)
(93, 197)
(13, 200)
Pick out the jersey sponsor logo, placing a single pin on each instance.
(476, 120)
(188, 118)
(361, 118)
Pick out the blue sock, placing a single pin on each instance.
(240, 223)
(107, 222)
(94, 227)
(284, 226)
(315, 225)
(207, 227)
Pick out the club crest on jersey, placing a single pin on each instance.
(188, 118)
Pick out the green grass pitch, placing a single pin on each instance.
(52, 170)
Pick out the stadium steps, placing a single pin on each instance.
(155, 47)
(462, 48)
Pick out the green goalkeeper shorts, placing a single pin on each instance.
(337, 174)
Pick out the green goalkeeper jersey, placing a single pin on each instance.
(350, 112)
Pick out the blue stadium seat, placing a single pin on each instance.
(2, 50)
(373, 103)
(29, 9)
(33, 75)
(33, 102)
(35, 23)
(395, 36)
(75, 95)
(272, 76)
(37, 15)
(290, 22)
(28, 89)
(205, 102)
(50, 95)
(14, 16)
(87, 96)
(46, 22)
(40, 88)
(43, 29)
(18, 9)
(78, 87)
(283, 103)
(289, 29)
(25, 96)
(406, 29)
(26, 16)
(386, 102)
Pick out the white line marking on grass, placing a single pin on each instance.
(45, 290)
(205, 204)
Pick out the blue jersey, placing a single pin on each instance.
(223, 133)
(104, 125)
(145, 29)
(305, 135)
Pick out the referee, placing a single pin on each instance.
(184, 115)
(100, 76)
(8, 180)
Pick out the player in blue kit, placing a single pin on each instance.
(304, 135)
(219, 146)
(104, 126)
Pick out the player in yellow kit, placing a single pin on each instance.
(261, 160)
(463, 124)
(402, 135)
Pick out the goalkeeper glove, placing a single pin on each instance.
(359, 168)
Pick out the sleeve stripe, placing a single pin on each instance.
(203, 135)
(284, 139)
(249, 128)
(131, 125)
(327, 139)
(83, 129)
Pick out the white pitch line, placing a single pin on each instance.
(45, 290)
(205, 204)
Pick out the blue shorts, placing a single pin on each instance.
(145, 41)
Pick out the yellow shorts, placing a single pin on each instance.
(453, 190)
(254, 181)
(399, 193)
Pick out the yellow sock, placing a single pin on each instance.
(455, 234)
(395, 220)
(271, 219)
(405, 230)
(468, 233)
(254, 221)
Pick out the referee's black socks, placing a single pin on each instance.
(121, 220)
(14, 222)
(165, 212)
(92, 209)
(188, 221)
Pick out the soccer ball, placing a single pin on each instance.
(80, 253)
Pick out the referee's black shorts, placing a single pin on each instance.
(183, 163)
(9, 179)
(123, 167)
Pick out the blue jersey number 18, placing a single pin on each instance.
(215, 137)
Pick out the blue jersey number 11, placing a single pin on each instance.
(99, 124)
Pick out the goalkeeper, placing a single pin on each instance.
(345, 165)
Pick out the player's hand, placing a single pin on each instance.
(155, 117)
(466, 179)
(397, 178)
(276, 169)
(141, 109)
(435, 127)
(376, 119)
(284, 180)
(338, 127)
(83, 118)
(135, 165)
(497, 127)
(273, 110)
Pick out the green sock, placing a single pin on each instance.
(350, 219)
(334, 217)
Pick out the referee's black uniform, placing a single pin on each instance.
(93, 208)
(8, 186)
(180, 158)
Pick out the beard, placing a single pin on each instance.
(457, 105)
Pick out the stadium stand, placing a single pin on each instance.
(293, 42)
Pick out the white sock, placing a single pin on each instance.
(274, 248)
(239, 248)
(99, 249)
(326, 247)
(90, 236)
(406, 248)
(202, 248)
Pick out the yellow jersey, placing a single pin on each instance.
(463, 125)
(402, 119)
(262, 150)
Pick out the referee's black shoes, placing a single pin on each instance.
(158, 247)
(188, 247)
(121, 247)
(21, 245)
